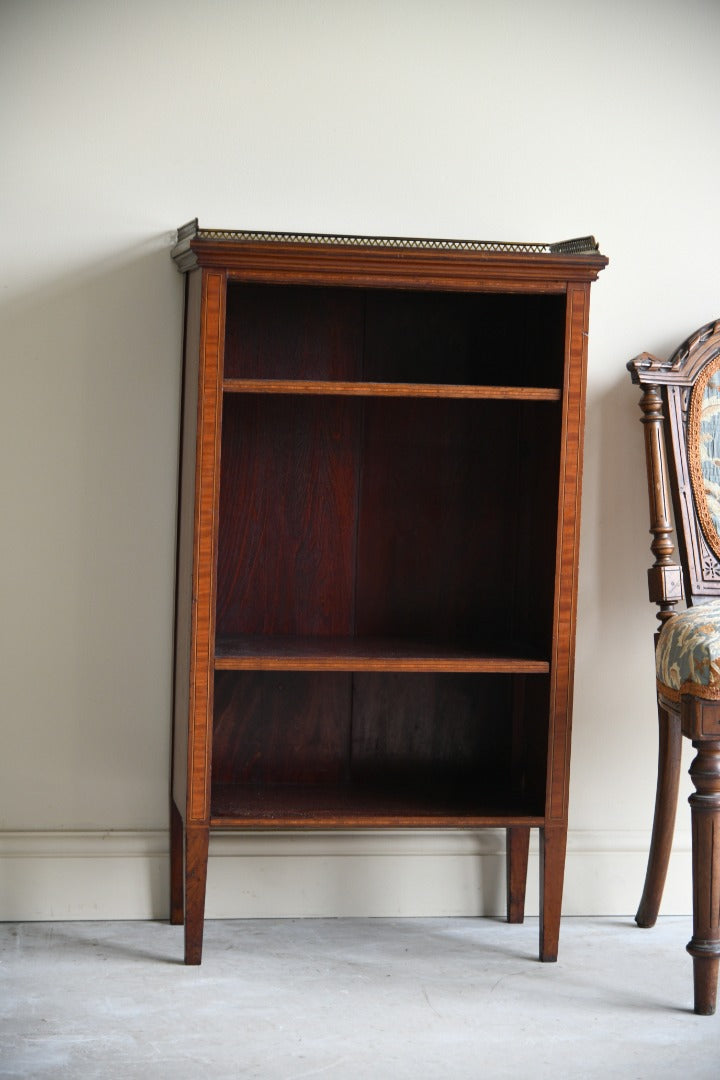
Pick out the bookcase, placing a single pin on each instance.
(377, 545)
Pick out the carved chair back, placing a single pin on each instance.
(681, 414)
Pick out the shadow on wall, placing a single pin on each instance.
(90, 416)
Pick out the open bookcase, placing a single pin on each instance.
(379, 517)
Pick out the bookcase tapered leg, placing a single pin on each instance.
(518, 845)
(176, 865)
(553, 842)
(704, 946)
(196, 858)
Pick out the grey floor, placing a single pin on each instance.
(351, 998)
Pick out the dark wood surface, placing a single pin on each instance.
(704, 946)
(382, 475)
(185, 542)
(437, 533)
(553, 844)
(293, 261)
(288, 516)
(566, 569)
(281, 728)
(518, 848)
(177, 866)
(342, 517)
(368, 728)
(668, 781)
(366, 806)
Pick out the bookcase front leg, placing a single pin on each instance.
(518, 845)
(553, 843)
(196, 859)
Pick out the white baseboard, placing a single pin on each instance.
(123, 875)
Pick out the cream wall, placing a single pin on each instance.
(491, 120)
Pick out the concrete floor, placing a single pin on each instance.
(351, 998)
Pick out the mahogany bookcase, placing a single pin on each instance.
(378, 538)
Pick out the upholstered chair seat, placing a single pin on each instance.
(687, 658)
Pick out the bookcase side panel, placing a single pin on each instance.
(182, 691)
(204, 576)
(570, 485)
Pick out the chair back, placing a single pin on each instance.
(681, 413)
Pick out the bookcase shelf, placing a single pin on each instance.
(357, 806)
(377, 556)
(378, 389)
(275, 653)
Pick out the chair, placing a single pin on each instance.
(681, 417)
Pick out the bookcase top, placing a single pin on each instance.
(216, 247)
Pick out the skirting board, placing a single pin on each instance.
(124, 875)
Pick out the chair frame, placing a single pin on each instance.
(669, 419)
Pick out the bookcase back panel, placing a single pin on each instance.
(437, 510)
(423, 731)
(380, 517)
(384, 518)
(288, 508)
(293, 332)
(381, 335)
(464, 338)
(435, 729)
(281, 727)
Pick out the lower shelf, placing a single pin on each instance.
(366, 806)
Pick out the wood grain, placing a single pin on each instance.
(281, 728)
(360, 806)
(553, 843)
(437, 529)
(666, 797)
(207, 477)
(704, 946)
(563, 660)
(277, 653)
(196, 859)
(182, 688)
(293, 333)
(386, 389)
(518, 847)
(288, 516)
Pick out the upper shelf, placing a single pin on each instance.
(386, 389)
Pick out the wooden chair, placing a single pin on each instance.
(681, 415)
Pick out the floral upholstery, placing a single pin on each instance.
(709, 450)
(688, 652)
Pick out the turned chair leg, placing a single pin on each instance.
(666, 797)
(517, 845)
(704, 946)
